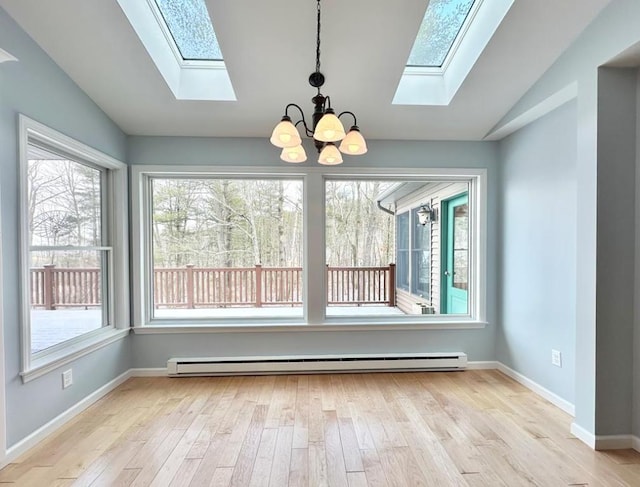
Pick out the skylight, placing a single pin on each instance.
(190, 26)
(440, 27)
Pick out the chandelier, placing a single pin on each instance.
(326, 128)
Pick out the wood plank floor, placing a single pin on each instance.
(473, 428)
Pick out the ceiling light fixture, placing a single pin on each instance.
(326, 128)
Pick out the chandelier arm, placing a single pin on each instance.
(355, 121)
(302, 121)
(286, 110)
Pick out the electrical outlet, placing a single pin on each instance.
(67, 378)
(556, 358)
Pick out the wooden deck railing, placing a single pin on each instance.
(197, 287)
(53, 288)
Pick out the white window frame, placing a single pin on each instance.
(115, 211)
(314, 286)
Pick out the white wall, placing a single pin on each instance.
(537, 266)
(38, 88)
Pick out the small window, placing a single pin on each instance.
(420, 256)
(402, 245)
(441, 26)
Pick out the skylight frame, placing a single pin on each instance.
(438, 86)
(171, 41)
(187, 80)
(439, 70)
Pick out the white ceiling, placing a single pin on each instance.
(269, 51)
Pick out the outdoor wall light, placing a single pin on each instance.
(426, 214)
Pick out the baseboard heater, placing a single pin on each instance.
(300, 364)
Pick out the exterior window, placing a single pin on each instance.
(402, 238)
(68, 258)
(420, 256)
(226, 248)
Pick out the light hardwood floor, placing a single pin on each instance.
(473, 428)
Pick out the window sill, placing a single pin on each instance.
(298, 327)
(46, 364)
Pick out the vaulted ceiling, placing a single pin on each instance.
(269, 49)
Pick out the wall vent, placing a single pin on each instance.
(296, 364)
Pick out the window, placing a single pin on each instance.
(242, 247)
(69, 258)
(225, 248)
(427, 271)
(191, 29)
(420, 256)
(441, 25)
(402, 239)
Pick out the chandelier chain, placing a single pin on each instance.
(318, 44)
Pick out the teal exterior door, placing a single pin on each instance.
(455, 256)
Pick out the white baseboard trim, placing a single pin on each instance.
(616, 442)
(41, 433)
(583, 435)
(486, 365)
(157, 372)
(552, 397)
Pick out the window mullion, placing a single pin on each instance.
(315, 269)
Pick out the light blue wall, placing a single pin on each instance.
(614, 31)
(38, 88)
(636, 329)
(537, 250)
(153, 351)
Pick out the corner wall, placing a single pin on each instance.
(613, 36)
(38, 88)
(635, 413)
(537, 241)
(616, 249)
